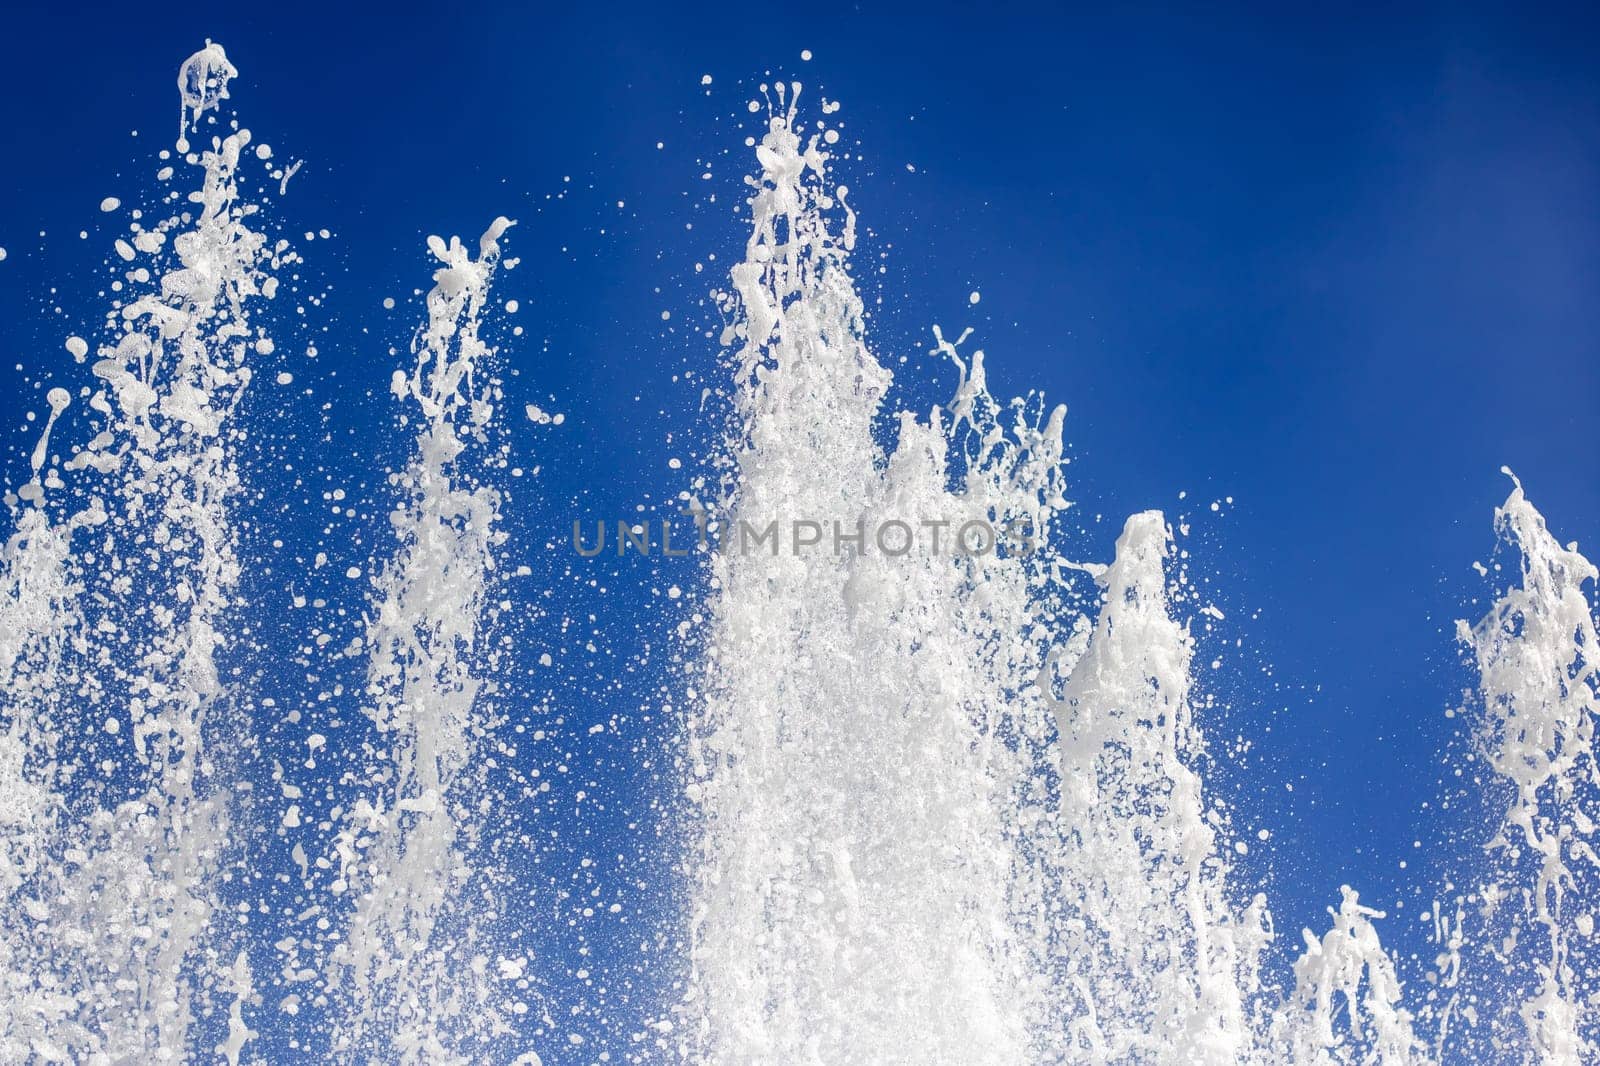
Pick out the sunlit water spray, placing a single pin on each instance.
(913, 848)
(948, 812)
(123, 598)
(419, 989)
(849, 788)
(1538, 656)
(943, 804)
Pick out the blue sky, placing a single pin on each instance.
(1339, 267)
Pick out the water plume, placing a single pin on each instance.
(418, 988)
(1153, 952)
(947, 789)
(886, 873)
(1538, 659)
(111, 960)
(823, 858)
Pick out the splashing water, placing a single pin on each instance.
(1345, 1004)
(202, 86)
(1538, 656)
(108, 964)
(945, 782)
(946, 814)
(410, 998)
(1082, 899)
(821, 860)
(1154, 954)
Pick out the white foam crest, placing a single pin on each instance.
(415, 994)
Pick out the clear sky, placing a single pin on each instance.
(1336, 266)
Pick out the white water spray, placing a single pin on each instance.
(948, 801)
(419, 990)
(109, 964)
(1538, 657)
(851, 761)
(1150, 951)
